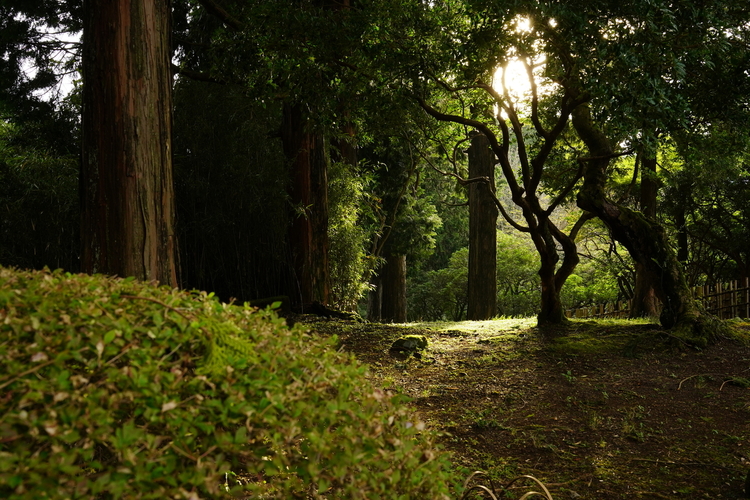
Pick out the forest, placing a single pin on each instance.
(402, 161)
(389, 157)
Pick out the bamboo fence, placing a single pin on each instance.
(725, 300)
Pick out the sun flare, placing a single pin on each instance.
(514, 78)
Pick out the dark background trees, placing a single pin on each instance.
(383, 206)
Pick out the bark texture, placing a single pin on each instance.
(645, 240)
(482, 300)
(308, 233)
(127, 195)
(645, 302)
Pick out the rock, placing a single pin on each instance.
(410, 343)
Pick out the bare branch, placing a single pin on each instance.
(636, 168)
(534, 100)
(607, 156)
(517, 129)
(566, 190)
(499, 150)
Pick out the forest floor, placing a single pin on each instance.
(606, 410)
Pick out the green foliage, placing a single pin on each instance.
(517, 279)
(39, 200)
(710, 202)
(443, 293)
(348, 238)
(116, 389)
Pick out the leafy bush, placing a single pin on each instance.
(112, 388)
(518, 287)
(39, 199)
(347, 237)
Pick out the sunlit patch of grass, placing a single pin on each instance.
(606, 336)
(490, 326)
(611, 322)
(603, 467)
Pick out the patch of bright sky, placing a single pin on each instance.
(514, 76)
(62, 55)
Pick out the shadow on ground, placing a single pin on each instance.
(608, 410)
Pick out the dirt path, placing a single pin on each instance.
(610, 410)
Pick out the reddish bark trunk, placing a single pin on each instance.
(127, 195)
(308, 192)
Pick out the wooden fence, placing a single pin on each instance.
(725, 300)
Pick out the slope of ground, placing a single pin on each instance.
(608, 410)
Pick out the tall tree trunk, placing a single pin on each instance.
(127, 196)
(393, 283)
(482, 300)
(645, 303)
(375, 299)
(308, 234)
(645, 240)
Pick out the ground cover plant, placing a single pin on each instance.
(113, 388)
(606, 410)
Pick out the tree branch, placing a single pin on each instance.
(566, 190)
(534, 100)
(466, 182)
(197, 75)
(226, 18)
(496, 147)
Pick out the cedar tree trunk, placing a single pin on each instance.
(308, 234)
(127, 195)
(393, 283)
(482, 300)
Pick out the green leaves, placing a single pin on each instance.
(121, 389)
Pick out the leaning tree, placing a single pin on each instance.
(631, 68)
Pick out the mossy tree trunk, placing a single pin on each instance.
(645, 240)
(645, 303)
(127, 195)
(482, 300)
(306, 153)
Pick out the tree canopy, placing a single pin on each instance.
(650, 95)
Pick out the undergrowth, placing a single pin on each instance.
(112, 388)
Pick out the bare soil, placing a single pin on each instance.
(604, 410)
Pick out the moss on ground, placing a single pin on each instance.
(606, 409)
